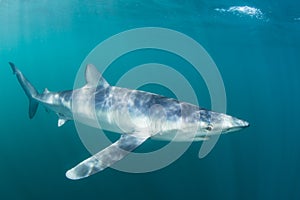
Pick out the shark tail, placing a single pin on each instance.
(29, 90)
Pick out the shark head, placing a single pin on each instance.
(213, 123)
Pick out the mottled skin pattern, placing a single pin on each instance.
(137, 115)
(148, 114)
(133, 111)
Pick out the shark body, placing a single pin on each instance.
(135, 114)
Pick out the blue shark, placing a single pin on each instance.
(136, 115)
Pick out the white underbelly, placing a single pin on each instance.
(139, 124)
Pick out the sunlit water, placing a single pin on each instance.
(256, 47)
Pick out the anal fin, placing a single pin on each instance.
(61, 121)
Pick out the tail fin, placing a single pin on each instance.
(29, 90)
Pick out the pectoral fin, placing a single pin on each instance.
(106, 157)
(202, 138)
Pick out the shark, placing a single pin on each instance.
(137, 115)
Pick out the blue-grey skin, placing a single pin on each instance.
(137, 115)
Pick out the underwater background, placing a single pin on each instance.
(256, 46)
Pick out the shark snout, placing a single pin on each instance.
(224, 123)
(241, 123)
(237, 124)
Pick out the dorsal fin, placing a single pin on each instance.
(93, 77)
(46, 91)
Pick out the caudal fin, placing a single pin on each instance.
(29, 90)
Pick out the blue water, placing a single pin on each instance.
(257, 55)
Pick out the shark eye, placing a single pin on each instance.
(209, 127)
